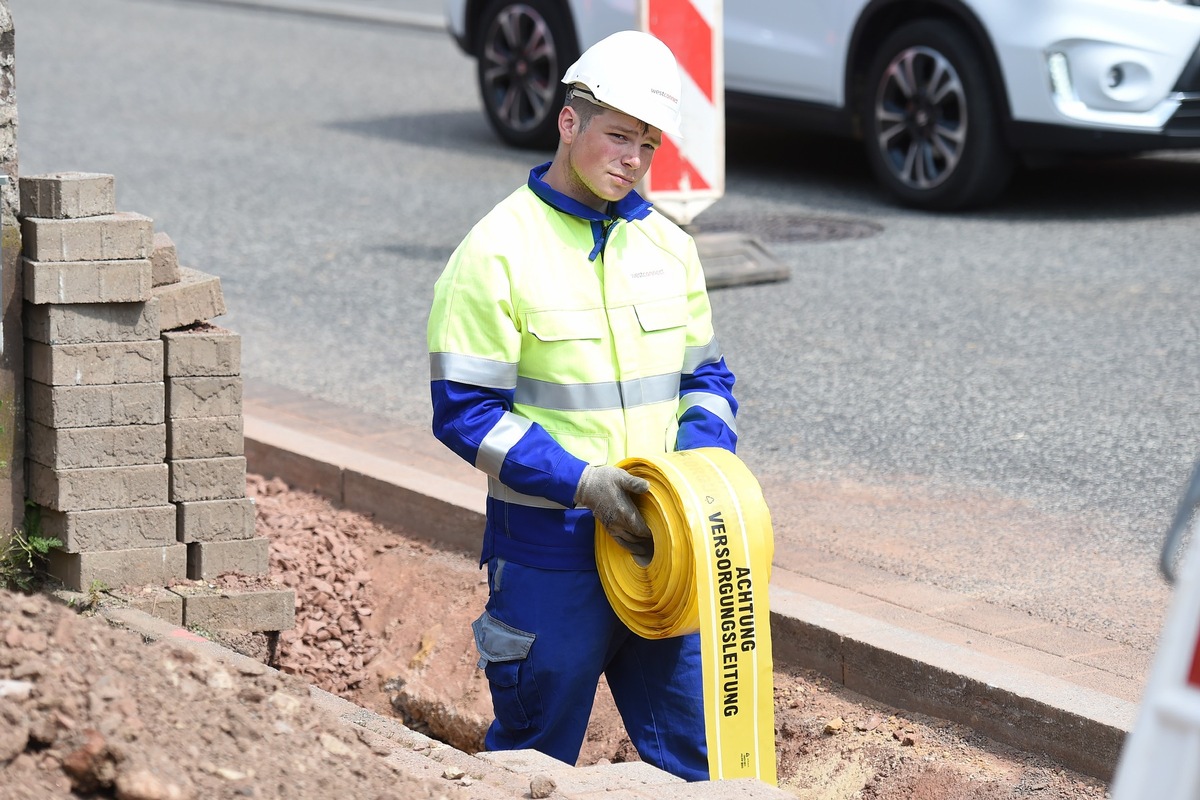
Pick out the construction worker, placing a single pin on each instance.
(570, 329)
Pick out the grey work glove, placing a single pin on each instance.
(607, 493)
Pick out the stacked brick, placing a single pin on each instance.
(133, 398)
(94, 392)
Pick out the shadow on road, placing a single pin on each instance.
(454, 131)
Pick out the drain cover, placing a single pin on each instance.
(732, 259)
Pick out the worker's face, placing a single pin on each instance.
(607, 157)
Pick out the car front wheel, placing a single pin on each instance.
(522, 51)
(930, 120)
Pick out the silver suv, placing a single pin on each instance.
(948, 96)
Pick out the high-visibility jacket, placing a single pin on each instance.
(560, 336)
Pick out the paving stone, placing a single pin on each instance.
(116, 568)
(156, 601)
(188, 398)
(164, 260)
(732, 789)
(202, 350)
(207, 560)
(79, 323)
(111, 529)
(637, 775)
(94, 406)
(94, 363)
(195, 297)
(237, 609)
(101, 487)
(102, 446)
(205, 437)
(67, 195)
(120, 235)
(523, 761)
(70, 282)
(207, 478)
(215, 520)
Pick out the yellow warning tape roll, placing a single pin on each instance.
(709, 572)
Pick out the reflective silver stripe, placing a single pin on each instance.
(597, 396)
(650, 390)
(499, 491)
(499, 440)
(567, 397)
(473, 370)
(711, 403)
(696, 357)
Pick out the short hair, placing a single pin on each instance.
(585, 109)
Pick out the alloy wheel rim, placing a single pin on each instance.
(921, 118)
(520, 67)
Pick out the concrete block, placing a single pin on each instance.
(67, 195)
(164, 260)
(237, 609)
(69, 282)
(205, 437)
(189, 398)
(94, 406)
(195, 297)
(215, 520)
(525, 762)
(111, 528)
(143, 566)
(637, 775)
(102, 446)
(156, 601)
(91, 322)
(726, 789)
(120, 235)
(202, 350)
(208, 478)
(95, 488)
(207, 560)
(96, 363)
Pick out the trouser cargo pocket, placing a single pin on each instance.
(503, 656)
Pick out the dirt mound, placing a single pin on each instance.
(91, 711)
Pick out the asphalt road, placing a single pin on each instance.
(1001, 403)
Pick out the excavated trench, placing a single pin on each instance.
(383, 620)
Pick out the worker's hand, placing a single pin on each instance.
(607, 492)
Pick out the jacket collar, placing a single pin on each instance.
(629, 208)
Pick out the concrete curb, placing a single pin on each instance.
(1081, 728)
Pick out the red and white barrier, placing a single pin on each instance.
(1161, 756)
(689, 175)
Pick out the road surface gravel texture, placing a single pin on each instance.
(382, 619)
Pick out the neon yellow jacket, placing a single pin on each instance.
(561, 337)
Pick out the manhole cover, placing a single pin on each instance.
(792, 227)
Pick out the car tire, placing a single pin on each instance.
(931, 122)
(521, 52)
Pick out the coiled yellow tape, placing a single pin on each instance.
(709, 572)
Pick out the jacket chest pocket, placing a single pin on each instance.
(662, 329)
(566, 346)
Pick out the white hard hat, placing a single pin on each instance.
(634, 73)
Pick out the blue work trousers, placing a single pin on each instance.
(545, 638)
